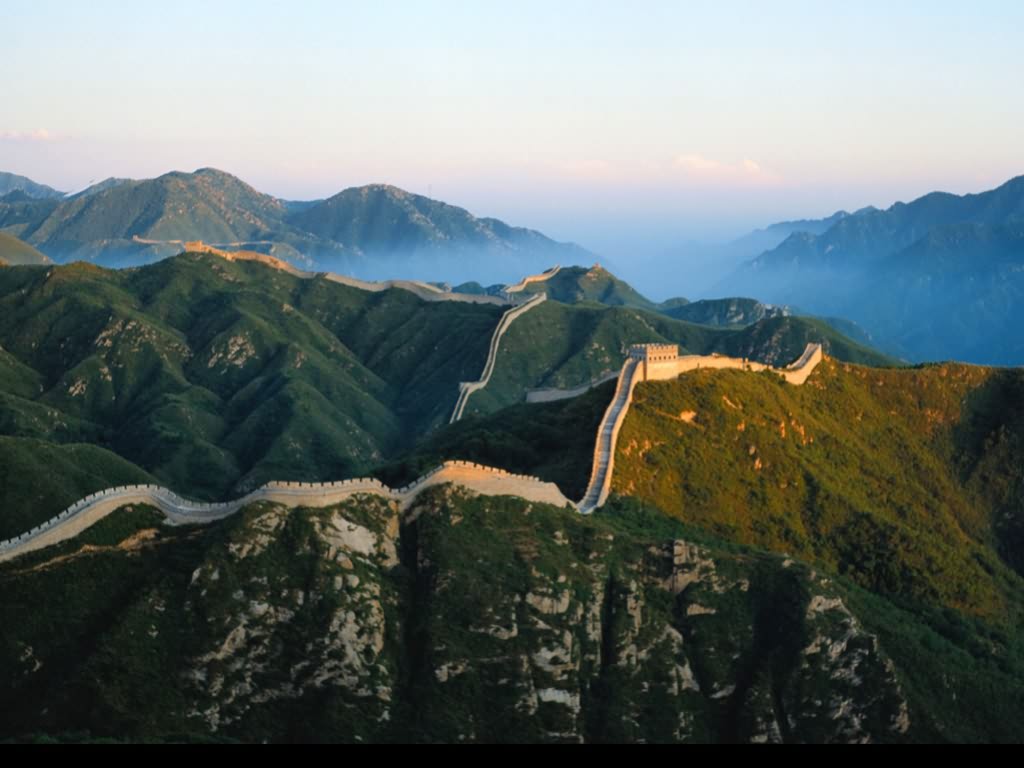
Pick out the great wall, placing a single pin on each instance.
(85, 513)
(662, 362)
(467, 388)
(543, 277)
(646, 362)
(424, 291)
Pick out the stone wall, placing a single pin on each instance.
(83, 514)
(603, 464)
(553, 394)
(467, 388)
(477, 478)
(658, 362)
(542, 277)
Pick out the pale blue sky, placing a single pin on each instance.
(596, 121)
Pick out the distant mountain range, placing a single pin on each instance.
(707, 264)
(9, 182)
(941, 277)
(375, 231)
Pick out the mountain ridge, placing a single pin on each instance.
(937, 278)
(127, 222)
(10, 182)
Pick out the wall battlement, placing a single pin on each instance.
(485, 481)
(83, 514)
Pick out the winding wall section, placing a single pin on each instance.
(467, 388)
(527, 281)
(607, 436)
(485, 481)
(84, 514)
(635, 370)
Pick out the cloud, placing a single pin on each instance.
(38, 135)
(697, 163)
(708, 169)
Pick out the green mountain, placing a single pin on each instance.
(9, 182)
(13, 251)
(937, 278)
(216, 376)
(129, 222)
(579, 285)
(907, 480)
(835, 562)
(20, 213)
(375, 232)
(390, 224)
(476, 620)
(563, 346)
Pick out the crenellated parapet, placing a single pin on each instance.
(477, 478)
(87, 512)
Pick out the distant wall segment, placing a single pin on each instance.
(467, 388)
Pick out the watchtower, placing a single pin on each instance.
(657, 362)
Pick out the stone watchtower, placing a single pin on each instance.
(656, 362)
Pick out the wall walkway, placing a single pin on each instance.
(85, 513)
(526, 281)
(633, 372)
(467, 388)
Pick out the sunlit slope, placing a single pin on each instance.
(910, 481)
(564, 346)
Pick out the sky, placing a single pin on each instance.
(628, 127)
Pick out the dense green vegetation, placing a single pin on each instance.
(553, 441)
(579, 285)
(864, 471)
(40, 479)
(476, 620)
(594, 340)
(215, 376)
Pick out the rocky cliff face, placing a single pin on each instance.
(470, 619)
